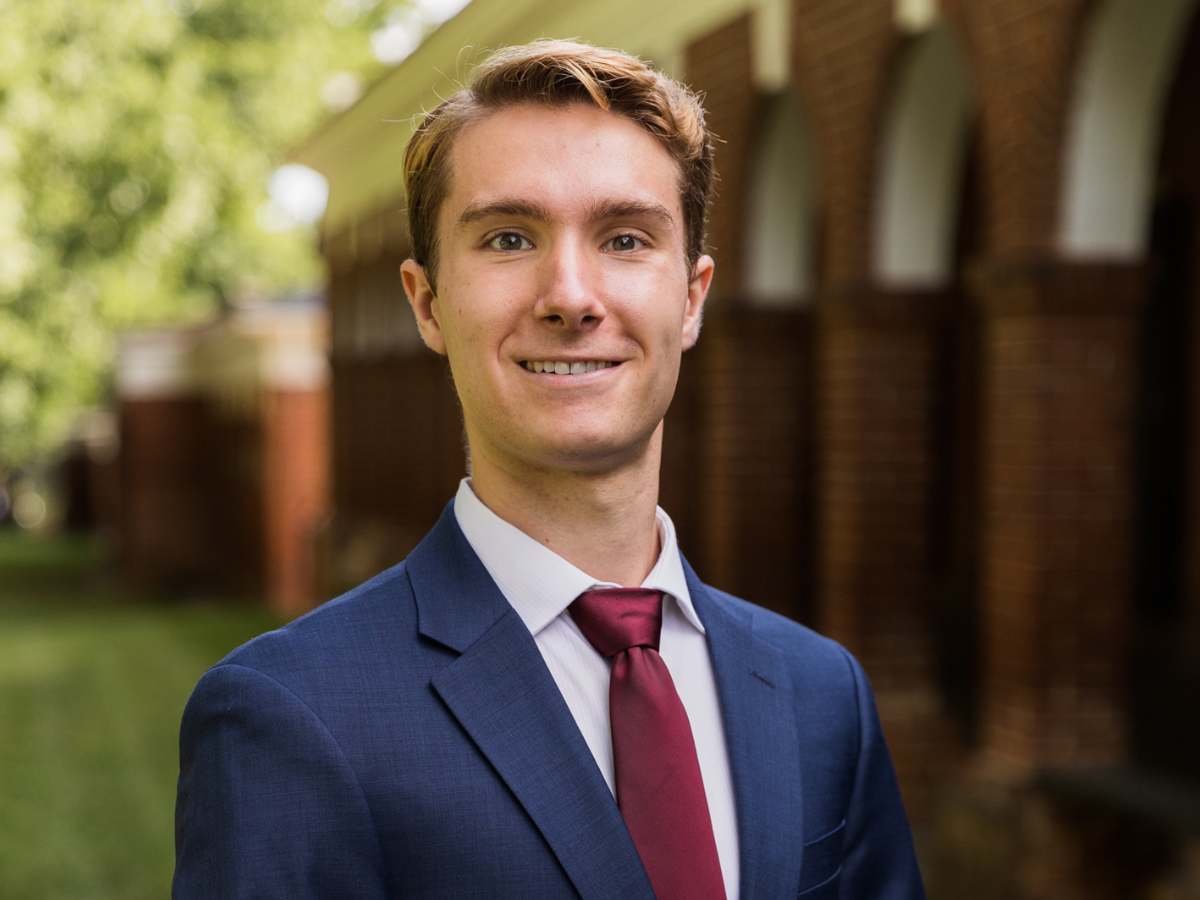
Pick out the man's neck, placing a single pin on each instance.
(603, 524)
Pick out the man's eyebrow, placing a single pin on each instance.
(631, 209)
(601, 211)
(517, 209)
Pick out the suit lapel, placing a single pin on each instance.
(764, 747)
(502, 694)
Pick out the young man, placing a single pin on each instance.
(543, 701)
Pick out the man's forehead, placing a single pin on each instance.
(533, 160)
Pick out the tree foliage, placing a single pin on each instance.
(136, 140)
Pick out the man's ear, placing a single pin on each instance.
(702, 274)
(424, 304)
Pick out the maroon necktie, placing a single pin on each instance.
(659, 788)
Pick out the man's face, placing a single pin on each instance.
(561, 241)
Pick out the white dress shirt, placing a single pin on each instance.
(540, 585)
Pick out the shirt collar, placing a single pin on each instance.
(538, 582)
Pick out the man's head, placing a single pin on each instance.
(558, 74)
(570, 277)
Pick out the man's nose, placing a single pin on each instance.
(570, 294)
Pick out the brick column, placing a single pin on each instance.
(874, 415)
(164, 537)
(295, 494)
(755, 397)
(877, 393)
(719, 66)
(1059, 372)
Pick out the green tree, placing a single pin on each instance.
(136, 140)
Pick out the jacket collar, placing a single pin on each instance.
(502, 694)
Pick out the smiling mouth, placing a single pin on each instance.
(560, 367)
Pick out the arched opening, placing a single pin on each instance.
(778, 237)
(921, 168)
(1130, 55)
(925, 226)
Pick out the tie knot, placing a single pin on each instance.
(615, 619)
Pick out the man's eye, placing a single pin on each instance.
(509, 241)
(625, 242)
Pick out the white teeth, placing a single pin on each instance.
(556, 367)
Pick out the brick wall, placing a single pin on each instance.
(875, 438)
(236, 470)
(719, 67)
(879, 357)
(870, 553)
(1023, 57)
(844, 55)
(1060, 365)
(397, 443)
(398, 457)
(295, 495)
(682, 454)
(756, 457)
(876, 435)
(748, 394)
(165, 531)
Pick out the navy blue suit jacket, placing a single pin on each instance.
(407, 740)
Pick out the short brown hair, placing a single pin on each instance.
(559, 73)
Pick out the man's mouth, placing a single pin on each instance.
(560, 367)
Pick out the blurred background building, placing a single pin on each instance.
(946, 401)
(222, 469)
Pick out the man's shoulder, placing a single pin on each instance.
(802, 649)
(372, 634)
(377, 613)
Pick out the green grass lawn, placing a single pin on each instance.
(93, 680)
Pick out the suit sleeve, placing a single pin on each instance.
(879, 862)
(268, 806)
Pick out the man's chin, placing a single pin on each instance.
(592, 454)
